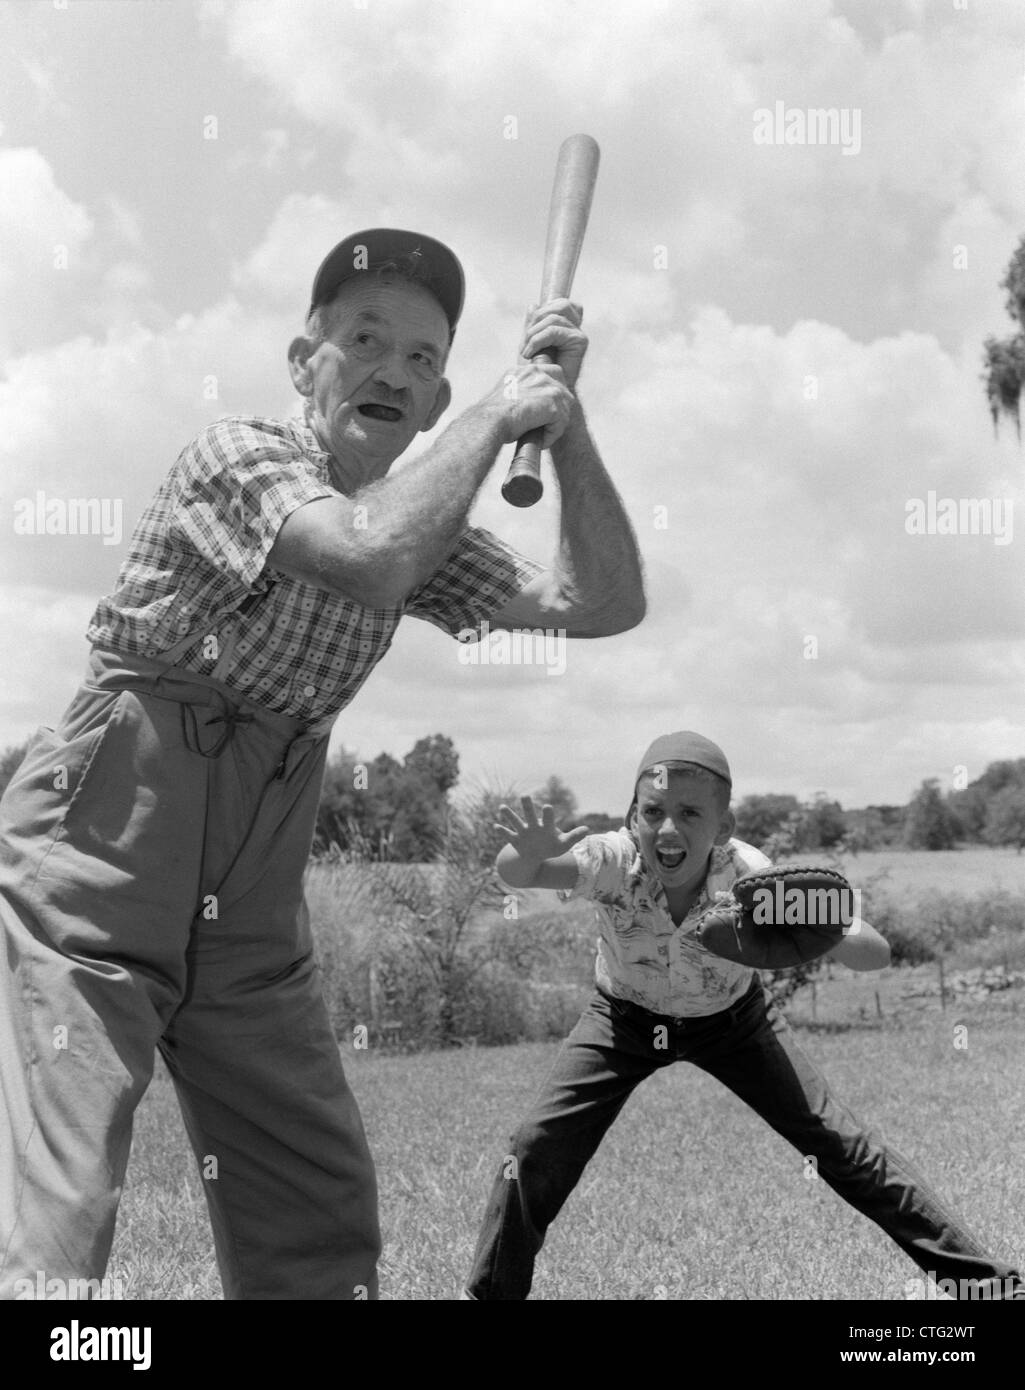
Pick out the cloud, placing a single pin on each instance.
(774, 233)
(784, 353)
(46, 627)
(107, 418)
(42, 235)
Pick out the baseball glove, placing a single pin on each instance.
(780, 917)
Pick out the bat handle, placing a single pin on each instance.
(523, 486)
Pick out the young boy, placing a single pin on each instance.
(651, 881)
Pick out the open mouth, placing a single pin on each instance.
(373, 411)
(670, 858)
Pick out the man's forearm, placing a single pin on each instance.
(438, 489)
(378, 544)
(598, 571)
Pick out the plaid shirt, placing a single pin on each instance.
(643, 955)
(199, 551)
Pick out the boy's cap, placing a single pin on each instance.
(440, 271)
(683, 747)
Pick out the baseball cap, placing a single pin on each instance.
(683, 747)
(438, 270)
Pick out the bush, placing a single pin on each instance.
(527, 979)
(939, 924)
(517, 981)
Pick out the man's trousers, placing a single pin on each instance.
(152, 851)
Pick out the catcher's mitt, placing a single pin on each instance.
(780, 917)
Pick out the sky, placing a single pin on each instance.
(786, 319)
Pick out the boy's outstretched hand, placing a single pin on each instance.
(533, 844)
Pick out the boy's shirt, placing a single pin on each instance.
(643, 955)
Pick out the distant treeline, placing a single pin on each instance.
(388, 810)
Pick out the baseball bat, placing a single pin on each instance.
(572, 190)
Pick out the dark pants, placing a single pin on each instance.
(749, 1048)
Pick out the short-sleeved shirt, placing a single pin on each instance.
(199, 552)
(643, 956)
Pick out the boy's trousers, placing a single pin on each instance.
(152, 851)
(749, 1048)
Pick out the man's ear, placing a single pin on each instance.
(300, 350)
(442, 401)
(726, 828)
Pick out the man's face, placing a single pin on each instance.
(676, 826)
(377, 379)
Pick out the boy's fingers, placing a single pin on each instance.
(573, 837)
(529, 813)
(548, 817)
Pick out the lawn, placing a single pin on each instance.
(972, 870)
(690, 1197)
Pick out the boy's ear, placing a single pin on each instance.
(300, 350)
(726, 827)
(442, 401)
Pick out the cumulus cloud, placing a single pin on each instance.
(42, 233)
(785, 352)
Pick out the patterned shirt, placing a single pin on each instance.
(643, 955)
(200, 551)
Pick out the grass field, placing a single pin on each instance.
(691, 1196)
(971, 870)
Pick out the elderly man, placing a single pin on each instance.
(152, 846)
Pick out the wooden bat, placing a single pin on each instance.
(572, 190)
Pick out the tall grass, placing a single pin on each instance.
(529, 977)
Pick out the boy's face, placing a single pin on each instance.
(676, 827)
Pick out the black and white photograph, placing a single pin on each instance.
(512, 742)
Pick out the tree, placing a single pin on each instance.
(971, 805)
(1005, 818)
(387, 810)
(1005, 358)
(341, 808)
(556, 794)
(759, 817)
(885, 824)
(929, 823)
(436, 760)
(599, 822)
(786, 840)
(867, 829)
(825, 824)
(434, 906)
(405, 810)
